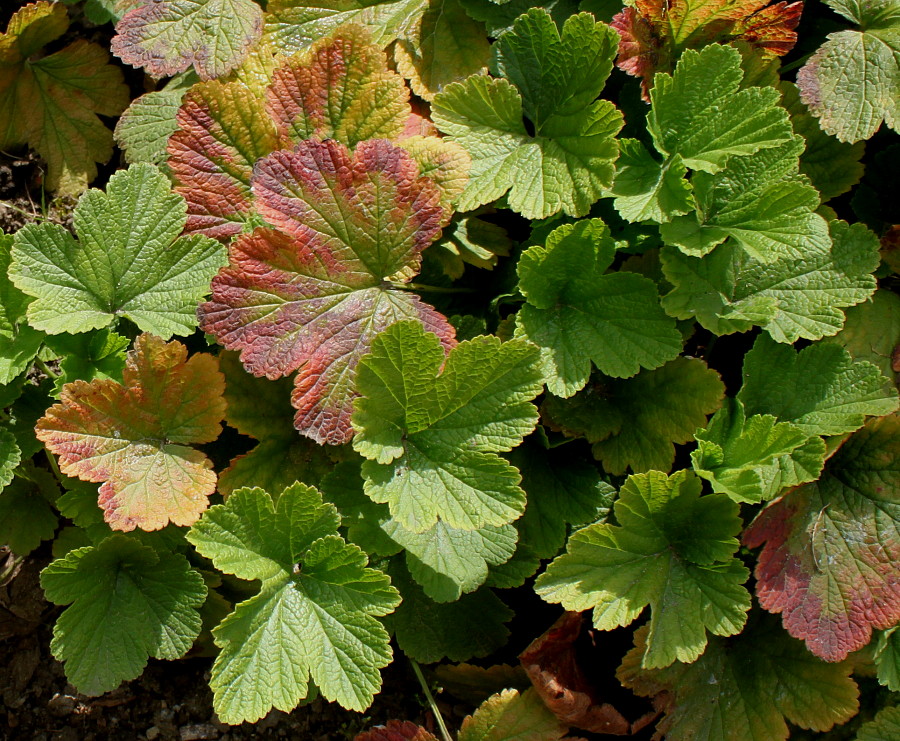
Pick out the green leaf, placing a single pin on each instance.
(428, 631)
(745, 688)
(728, 291)
(19, 343)
(852, 82)
(553, 79)
(885, 725)
(887, 659)
(53, 102)
(10, 456)
(144, 129)
(129, 261)
(635, 422)
(700, 113)
(740, 456)
(872, 331)
(821, 389)
(831, 548)
(760, 201)
(647, 190)
(26, 516)
(127, 602)
(673, 551)
(509, 715)
(166, 37)
(578, 314)
(440, 432)
(314, 618)
(89, 355)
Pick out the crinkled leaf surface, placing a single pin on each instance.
(792, 297)
(314, 618)
(136, 437)
(578, 315)
(432, 437)
(635, 422)
(144, 129)
(745, 688)
(852, 83)
(128, 261)
(509, 715)
(652, 33)
(52, 103)
(312, 296)
(831, 548)
(553, 79)
(647, 190)
(740, 456)
(760, 201)
(821, 389)
(127, 602)
(428, 631)
(700, 112)
(223, 128)
(673, 551)
(89, 355)
(887, 658)
(168, 36)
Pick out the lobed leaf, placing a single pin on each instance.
(168, 36)
(127, 602)
(135, 437)
(314, 618)
(52, 103)
(26, 512)
(427, 430)
(129, 261)
(673, 551)
(553, 79)
(578, 315)
(831, 547)
(19, 342)
(510, 715)
(635, 422)
(349, 223)
(744, 688)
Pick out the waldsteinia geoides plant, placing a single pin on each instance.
(522, 331)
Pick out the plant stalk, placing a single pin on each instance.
(445, 734)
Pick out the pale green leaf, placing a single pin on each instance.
(728, 291)
(144, 129)
(127, 602)
(647, 190)
(700, 113)
(673, 551)
(440, 432)
(128, 262)
(821, 389)
(314, 618)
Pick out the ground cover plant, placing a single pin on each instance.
(391, 325)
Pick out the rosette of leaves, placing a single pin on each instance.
(52, 103)
(653, 33)
(352, 229)
(852, 83)
(340, 88)
(537, 132)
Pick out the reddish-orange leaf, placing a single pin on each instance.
(396, 730)
(135, 436)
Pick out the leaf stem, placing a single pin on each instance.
(430, 289)
(45, 369)
(445, 734)
(793, 65)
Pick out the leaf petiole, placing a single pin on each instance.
(445, 734)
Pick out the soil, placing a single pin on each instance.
(170, 701)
